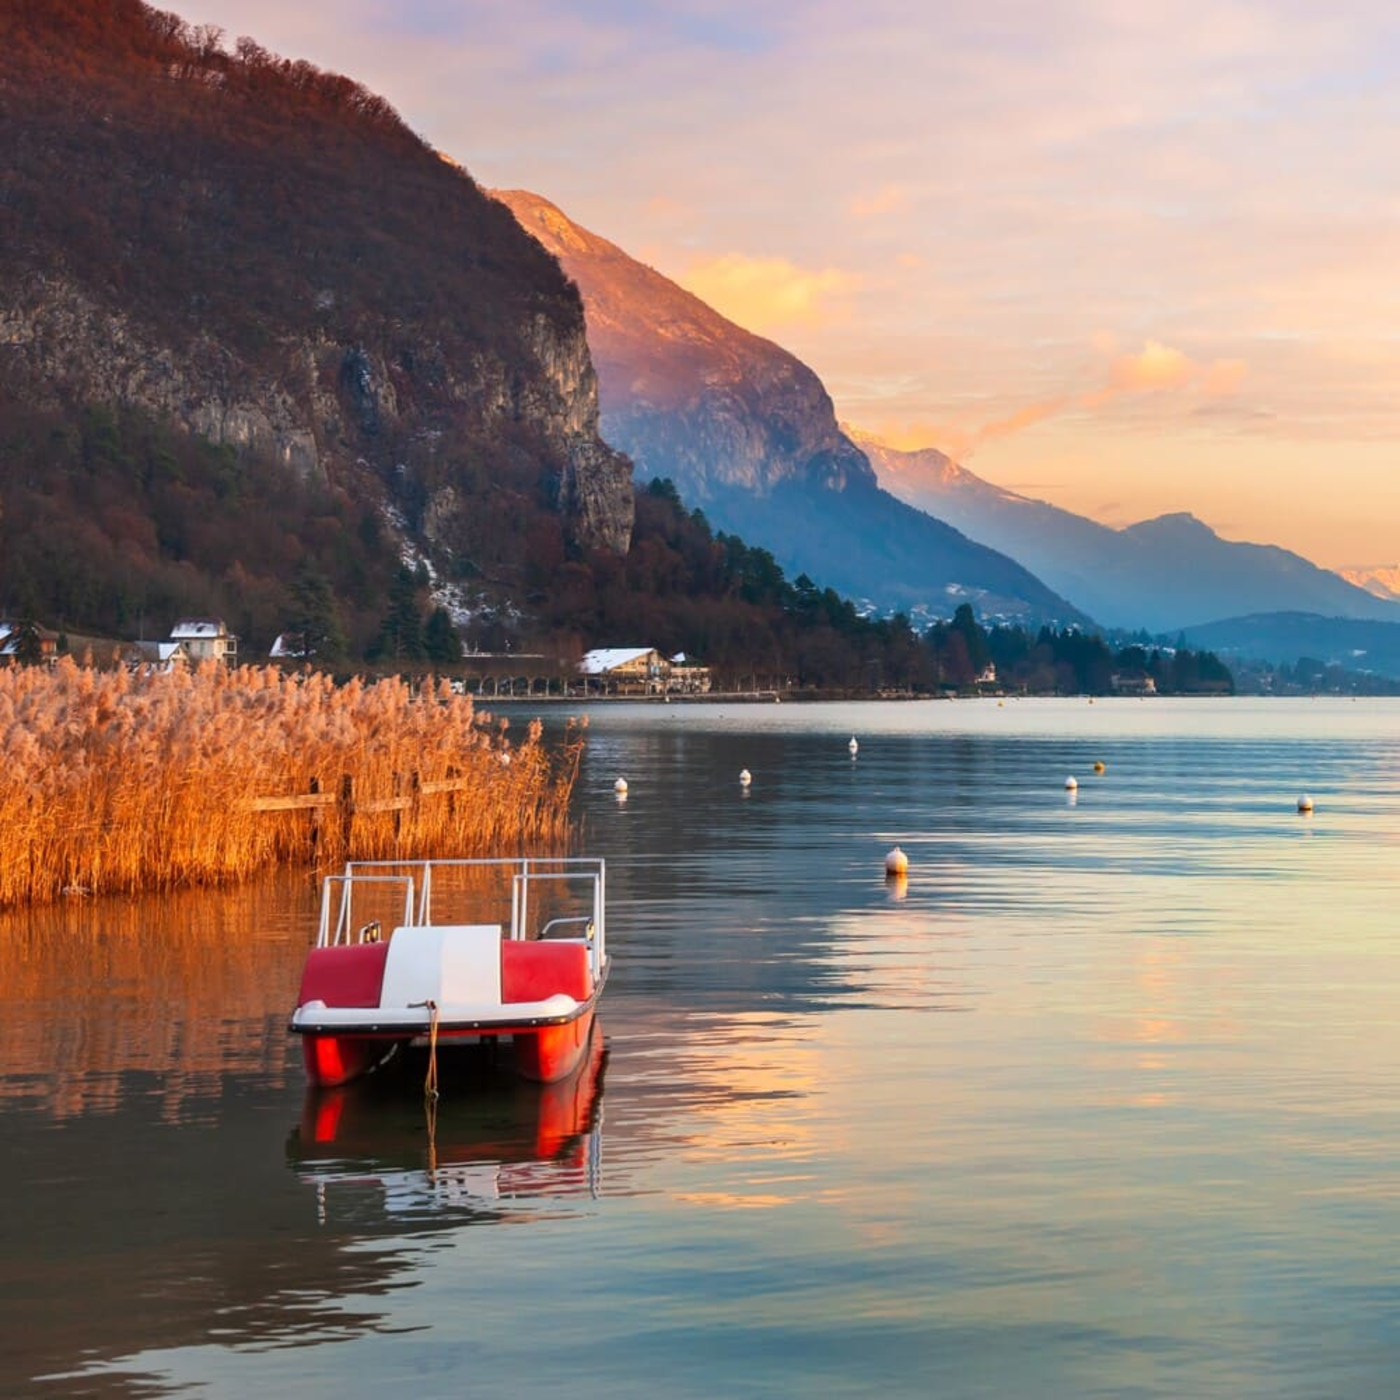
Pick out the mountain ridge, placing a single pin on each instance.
(749, 434)
(1354, 644)
(1381, 580)
(1163, 574)
(636, 383)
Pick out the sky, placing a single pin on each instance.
(1126, 258)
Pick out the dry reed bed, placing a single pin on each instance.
(113, 782)
(134, 1004)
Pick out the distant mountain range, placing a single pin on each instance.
(260, 346)
(1381, 579)
(1165, 574)
(747, 433)
(1351, 643)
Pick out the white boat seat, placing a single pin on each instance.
(450, 964)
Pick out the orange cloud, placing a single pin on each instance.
(961, 442)
(1154, 369)
(1021, 419)
(914, 437)
(767, 293)
(1157, 366)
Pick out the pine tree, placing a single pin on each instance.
(441, 643)
(29, 647)
(401, 634)
(315, 621)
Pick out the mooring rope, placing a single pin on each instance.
(430, 1088)
(430, 1084)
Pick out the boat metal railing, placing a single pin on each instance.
(328, 934)
(527, 875)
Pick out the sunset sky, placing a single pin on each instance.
(1127, 258)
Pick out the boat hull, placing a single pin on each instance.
(542, 1053)
(337, 1059)
(553, 1052)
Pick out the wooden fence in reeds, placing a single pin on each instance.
(333, 812)
(113, 782)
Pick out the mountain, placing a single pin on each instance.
(747, 433)
(335, 325)
(1162, 574)
(1284, 637)
(1382, 580)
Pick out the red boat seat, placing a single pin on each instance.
(349, 975)
(533, 970)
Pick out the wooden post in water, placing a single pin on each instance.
(347, 813)
(315, 821)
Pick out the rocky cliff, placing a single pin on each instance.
(692, 395)
(747, 432)
(264, 254)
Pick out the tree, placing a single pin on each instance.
(29, 647)
(401, 634)
(315, 619)
(441, 644)
(965, 622)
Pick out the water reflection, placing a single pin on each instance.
(163, 996)
(146, 1079)
(376, 1152)
(1100, 1101)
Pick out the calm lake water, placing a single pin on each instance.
(1105, 1101)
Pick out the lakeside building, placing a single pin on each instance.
(688, 676)
(290, 646)
(642, 671)
(1132, 683)
(155, 656)
(206, 639)
(625, 671)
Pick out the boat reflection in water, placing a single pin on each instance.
(377, 1150)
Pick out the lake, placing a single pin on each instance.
(1103, 1101)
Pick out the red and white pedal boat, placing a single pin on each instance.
(439, 979)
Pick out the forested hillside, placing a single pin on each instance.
(237, 287)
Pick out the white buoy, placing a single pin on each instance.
(620, 787)
(1305, 803)
(745, 777)
(1071, 784)
(896, 863)
(853, 746)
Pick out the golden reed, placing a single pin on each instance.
(116, 783)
